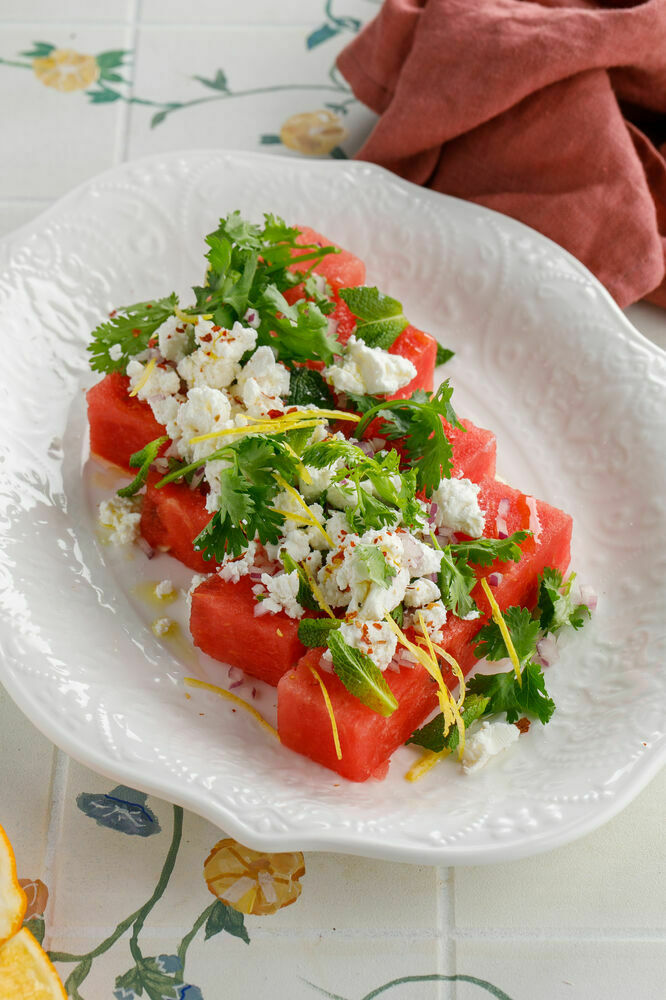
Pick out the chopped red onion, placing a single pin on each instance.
(325, 664)
(394, 666)
(495, 579)
(254, 692)
(235, 674)
(500, 521)
(535, 523)
(366, 448)
(161, 465)
(378, 443)
(547, 650)
(589, 596)
(236, 684)
(260, 609)
(255, 574)
(197, 479)
(145, 547)
(432, 516)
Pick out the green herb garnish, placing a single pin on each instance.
(130, 327)
(380, 318)
(362, 678)
(315, 631)
(431, 736)
(142, 460)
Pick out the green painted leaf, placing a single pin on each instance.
(103, 96)
(225, 918)
(39, 50)
(320, 35)
(36, 926)
(219, 81)
(269, 139)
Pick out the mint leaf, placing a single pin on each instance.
(505, 695)
(524, 632)
(431, 736)
(131, 327)
(315, 631)
(555, 606)
(443, 355)
(142, 460)
(308, 388)
(362, 678)
(381, 319)
(373, 565)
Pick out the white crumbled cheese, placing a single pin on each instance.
(233, 568)
(212, 472)
(421, 592)
(262, 382)
(165, 410)
(492, 738)
(369, 600)
(162, 381)
(282, 590)
(121, 515)
(320, 479)
(252, 318)
(115, 352)
(373, 638)
(434, 619)
(230, 345)
(419, 558)
(369, 369)
(164, 589)
(197, 579)
(203, 368)
(458, 507)
(174, 338)
(205, 410)
(162, 626)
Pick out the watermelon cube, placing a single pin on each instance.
(341, 270)
(223, 624)
(368, 739)
(120, 424)
(171, 518)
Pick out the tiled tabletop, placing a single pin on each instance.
(585, 921)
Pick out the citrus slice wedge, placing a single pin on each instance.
(12, 896)
(26, 972)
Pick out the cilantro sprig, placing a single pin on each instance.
(556, 605)
(418, 423)
(142, 460)
(432, 735)
(457, 579)
(380, 318)
(362, 678)
(129, 327)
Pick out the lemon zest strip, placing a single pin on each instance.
(147, 372)
(425, 764)
(299, 499)
(192, 320)
(268, 427)
(298, 518)
(455, 666)
(451, 704)
(501, 624)
(230, 696)
(331, 714)
(314, 586)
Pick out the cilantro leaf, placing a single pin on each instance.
(142, 460)
(373, 565)
(505, 694)
(456, 580)
(308, 388)
(305, 597)
(431, 736)
(443, 355)
(299, 333)
(523, 629)
(417, 422)
(381, 319)
(484, 551)
(130, 327)
(224, 533)
(315, 631)
(555, 605)
(362, 678)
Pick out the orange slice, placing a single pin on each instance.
(26, 972)
(12, 896)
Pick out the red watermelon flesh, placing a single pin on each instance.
(171, 518)
(223, 624)
(341, 270)
(120, 424)
(368, 739)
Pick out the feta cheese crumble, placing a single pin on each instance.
(369, 370)
(121, 515)
(164, 589)
(488, 741)
(458, 507)
(262, 383)
(375, 639)
(282, 592)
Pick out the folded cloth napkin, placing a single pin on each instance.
(550, 111)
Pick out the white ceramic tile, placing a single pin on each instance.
(255, 12)
(26, 762)
(54, 11)
(570, 970)
(16, 213)
(53, 140)
(612, 878)
(251, 60)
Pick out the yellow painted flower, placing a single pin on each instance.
(66, 70)
(314, 133)
(253, 882)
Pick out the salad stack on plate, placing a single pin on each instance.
(351, 543)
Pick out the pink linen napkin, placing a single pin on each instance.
(553, 112)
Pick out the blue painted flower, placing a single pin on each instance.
(169, 963)
(123, 809)
(187, 992)
(122, 994)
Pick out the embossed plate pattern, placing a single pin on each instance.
(543, 356)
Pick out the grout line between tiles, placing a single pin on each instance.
(125, 112)
(445, 926)
(54, 832)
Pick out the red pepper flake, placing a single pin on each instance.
(153, 343)
(377, 625)
(274, 414)
(136, 332)
(292, 409)
(114, 312)
(207, 337)
(148, 305)
(215, 329)
(523, 725)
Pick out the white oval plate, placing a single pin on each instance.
(543, 357)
